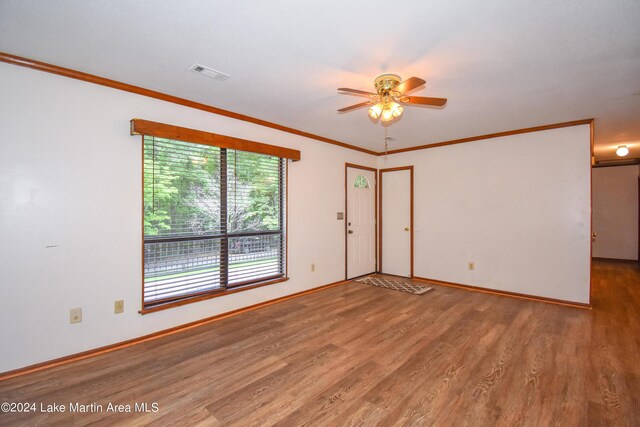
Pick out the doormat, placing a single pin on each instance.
(395, 285)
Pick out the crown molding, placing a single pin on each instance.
(491, 135)
(91, 78)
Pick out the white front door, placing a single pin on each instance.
(361, 226)
(396, 221)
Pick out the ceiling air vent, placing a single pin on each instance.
(209, 72)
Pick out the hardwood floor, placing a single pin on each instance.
(361, 355)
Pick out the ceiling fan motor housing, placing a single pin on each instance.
(386, 83)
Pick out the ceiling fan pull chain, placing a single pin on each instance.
(386, 142)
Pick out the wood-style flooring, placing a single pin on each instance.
(361, 355)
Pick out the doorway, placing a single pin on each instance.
(396, 221)
(360, 221)
(615, 200)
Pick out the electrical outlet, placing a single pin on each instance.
(75, 315)
(472, 266)
(118, 306)
(313, 267)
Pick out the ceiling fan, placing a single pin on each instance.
(390, 93)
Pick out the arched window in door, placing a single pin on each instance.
(361, 182)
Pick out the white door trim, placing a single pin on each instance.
(346, 214)
(380, 218)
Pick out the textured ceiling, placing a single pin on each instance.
(502, 64)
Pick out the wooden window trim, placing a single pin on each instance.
(205, 296)
(238, 287)
(162, 130)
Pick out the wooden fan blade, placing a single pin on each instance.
(356, 91)
(410, 84)
(423, 100)
(353, 107)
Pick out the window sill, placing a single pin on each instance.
(198, 298)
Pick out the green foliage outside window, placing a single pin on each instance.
(182, 189)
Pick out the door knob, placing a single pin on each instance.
(594, 236)
(350, 231)
(406, 229)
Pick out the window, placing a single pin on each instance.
(361, 182)
(214, 219)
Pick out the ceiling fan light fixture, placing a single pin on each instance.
(396, 109)
(387, 114)
(376, 110)
(387, 111)
(622, 150)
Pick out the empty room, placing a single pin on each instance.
(319, 213)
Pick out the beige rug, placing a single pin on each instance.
(395, 285)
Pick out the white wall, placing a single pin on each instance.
(70, 214)
(615, 212)
(516, 206)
